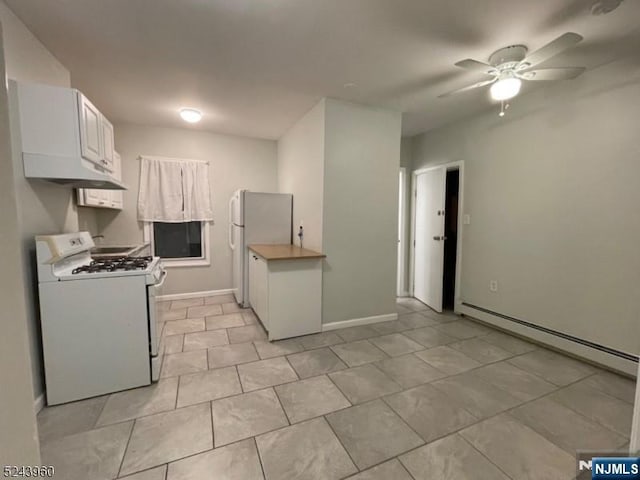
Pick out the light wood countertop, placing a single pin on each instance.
(284, 252)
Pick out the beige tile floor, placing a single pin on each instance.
(427, 396)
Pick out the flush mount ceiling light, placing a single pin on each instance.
(505, 88)
(191, 115)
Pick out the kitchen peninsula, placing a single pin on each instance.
(285, 289)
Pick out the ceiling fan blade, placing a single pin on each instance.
(477, 66)
(552, 73)
(469, 87)
(551, 49)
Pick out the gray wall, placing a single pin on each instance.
(18, 431)
(235, 162)
(360, 214)
(42, 208)
(301, 172)
(552, 190)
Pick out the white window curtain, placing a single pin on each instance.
(174, 190)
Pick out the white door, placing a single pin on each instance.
(401, 237)
(429, 237)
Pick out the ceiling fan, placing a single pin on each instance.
(511, 65)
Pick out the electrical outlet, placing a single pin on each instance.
(466, 219)
(493, 285)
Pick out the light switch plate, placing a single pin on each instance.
(466, 219)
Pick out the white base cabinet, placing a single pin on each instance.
(286, 295)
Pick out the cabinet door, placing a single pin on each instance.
(104, 198)
(253, 283)
(107, 142)
(90, 131)
(262, 282)
(258, 288)
(117, 196)
(92, 197)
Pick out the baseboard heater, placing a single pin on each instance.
(565, 336)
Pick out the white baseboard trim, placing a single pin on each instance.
(356, 322)
(183, 296)
(38, 403)
(404, 294)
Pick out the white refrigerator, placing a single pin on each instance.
(255, 218)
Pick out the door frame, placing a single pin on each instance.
(457, 165)
(401, 284)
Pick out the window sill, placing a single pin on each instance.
(176, 263)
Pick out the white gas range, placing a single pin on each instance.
(99, 318)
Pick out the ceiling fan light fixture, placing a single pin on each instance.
(191, 115)
(505, 88)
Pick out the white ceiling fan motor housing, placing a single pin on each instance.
(508, 57)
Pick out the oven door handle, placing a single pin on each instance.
(163, 277)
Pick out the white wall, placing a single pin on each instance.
(301, 172)
(26, 57)
(552, 190)
(360, 214)
(235, 162)
(18, 431)
(42, 208)
(341, 163)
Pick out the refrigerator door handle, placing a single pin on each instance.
(231, 219)
(231, 223)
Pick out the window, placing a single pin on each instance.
(179, 244)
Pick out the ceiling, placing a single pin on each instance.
(256, 66)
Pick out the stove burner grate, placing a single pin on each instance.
(114, 265)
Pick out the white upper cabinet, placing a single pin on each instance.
(96, 134)
(108, 151)
(89, 197)
(117, 196)
(91, 131)
(64, 137)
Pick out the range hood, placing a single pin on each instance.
(75, 172)
(61, 136)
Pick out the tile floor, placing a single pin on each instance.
(427, 396)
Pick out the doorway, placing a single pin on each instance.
(450, 239)
(436, 231)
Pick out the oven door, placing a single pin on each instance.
(154, 292)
